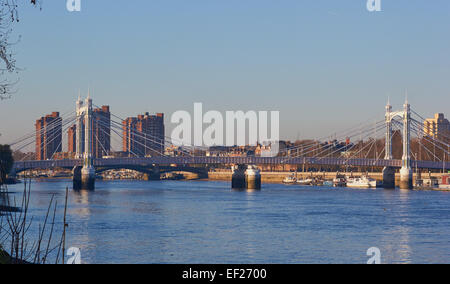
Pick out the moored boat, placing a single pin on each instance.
(307, 181)
(361, 182)
(290, 179)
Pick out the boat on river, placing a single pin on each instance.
(361, 182)
(290, 179)
(307, 181)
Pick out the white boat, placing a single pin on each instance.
(374, 183)
(290, 179)
(444, 186)
(307, 181)
(362, 182)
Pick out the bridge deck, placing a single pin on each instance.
(117, 162)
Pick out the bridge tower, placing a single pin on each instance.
(406, 173)
(88, 171)
(388, 172)
(388, 151)
(84, 177)
(79, 126)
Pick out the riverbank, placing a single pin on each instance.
(277, 177)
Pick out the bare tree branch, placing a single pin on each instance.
(8, 17)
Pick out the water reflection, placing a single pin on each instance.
(3, 198)
(81, 197)
(404, 229)
(6, 205)
(396, 239)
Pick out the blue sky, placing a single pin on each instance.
(325, 65)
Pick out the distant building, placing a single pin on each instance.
(101, 139)
(144, 135)
(101, 134)
(174, 151)
(437, 127)
(71, 139)
(48, 136)
(64, 156)
(130, 134)
(264, 150)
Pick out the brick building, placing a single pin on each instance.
(101, 128)
(48, 136)
(71, 137)
(144, 135)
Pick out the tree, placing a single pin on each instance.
(8, 17)
(6, 162)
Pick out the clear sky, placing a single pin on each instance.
(325, 65)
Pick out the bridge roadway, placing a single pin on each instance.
(20, 166)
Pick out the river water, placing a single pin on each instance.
(207, 222)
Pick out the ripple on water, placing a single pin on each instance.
(206, 222)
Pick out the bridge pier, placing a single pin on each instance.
(88, 178)
(253, 178)
(238, 177)
(76, 179)
(203, 175)
(154, 175)
(246, 177)
(388, 177)
(83, 178)
(406, 178)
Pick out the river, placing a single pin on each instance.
(207, 222)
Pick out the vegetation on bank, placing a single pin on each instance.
(6, 162)
(16, 244)
(9, 16)
(4, 257)
(14, 224)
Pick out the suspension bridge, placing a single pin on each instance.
(434, 149)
